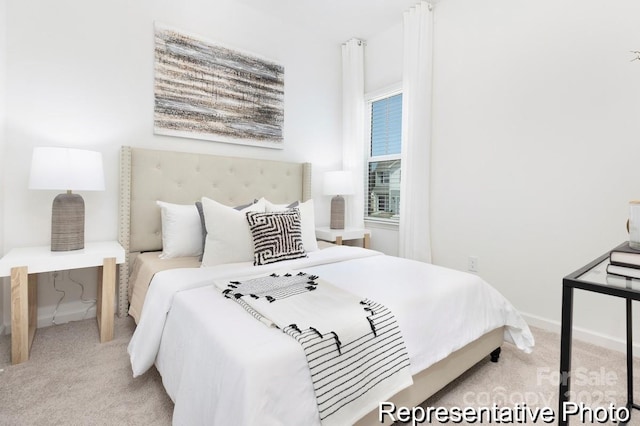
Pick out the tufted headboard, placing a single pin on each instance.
(183, 178)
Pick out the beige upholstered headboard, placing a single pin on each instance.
(183, 178)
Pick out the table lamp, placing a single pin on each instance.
(66, 169)
(338, 183)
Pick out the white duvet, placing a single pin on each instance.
(220, 365)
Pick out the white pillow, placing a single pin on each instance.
(307, 221)
(228, 239)
(181, 230)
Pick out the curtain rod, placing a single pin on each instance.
(359, 41)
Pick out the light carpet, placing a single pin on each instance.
(72, 379)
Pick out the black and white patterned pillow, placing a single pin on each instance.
(277, 236)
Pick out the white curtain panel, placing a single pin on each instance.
(353, 143)
(414, 233)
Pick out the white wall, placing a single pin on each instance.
(3, 48)
(383, 59)
(535, 144)
(85, 79)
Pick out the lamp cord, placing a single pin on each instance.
(82, 299)
(55, 278)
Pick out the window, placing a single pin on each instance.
(383, 182)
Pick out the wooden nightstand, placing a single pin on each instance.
(24, 264)
(339, 235)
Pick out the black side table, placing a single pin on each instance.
(593, 277)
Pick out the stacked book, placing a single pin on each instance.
(624, 261)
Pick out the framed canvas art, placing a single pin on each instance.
(203, 90)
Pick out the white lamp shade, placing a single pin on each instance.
(66, 169)
(338, 183)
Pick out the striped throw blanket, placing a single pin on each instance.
(354, 347)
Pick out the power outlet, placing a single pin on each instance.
(473, 264)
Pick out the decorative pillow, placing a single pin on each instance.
(279, 207)
(307, 221)
(276, 236)
(228, 236)
(181, 230)
(204, 225)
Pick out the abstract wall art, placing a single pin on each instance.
(207, 91)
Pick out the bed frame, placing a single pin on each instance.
(178, 177)
(183, 178)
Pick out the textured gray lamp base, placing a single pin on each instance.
(337, 212)
(67, 223)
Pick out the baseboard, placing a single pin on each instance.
(73, 311)
(579, 333)
(67, 312)
(70, 312)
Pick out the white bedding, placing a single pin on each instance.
(219, 364)
(354, 346)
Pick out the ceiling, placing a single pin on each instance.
(336, 20)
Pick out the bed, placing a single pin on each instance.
(259, 375)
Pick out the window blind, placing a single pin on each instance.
(383, 183)
(386, 126)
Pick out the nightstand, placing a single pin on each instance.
(594, 277)
(339, 235)
(23, 266)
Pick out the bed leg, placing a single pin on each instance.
(495, 355)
